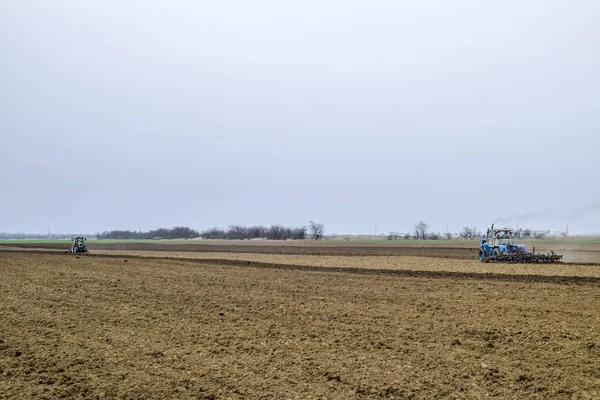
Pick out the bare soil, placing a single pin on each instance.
(136, 327)
(454, 249)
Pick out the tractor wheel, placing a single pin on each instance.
(480, 255)
(496, 252)
(75, 249)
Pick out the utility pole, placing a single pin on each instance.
(375, 230)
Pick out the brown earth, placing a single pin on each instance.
(460, 250)
(270, 248)
(104, 327)
(380, 263)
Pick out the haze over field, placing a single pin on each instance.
(355, 114)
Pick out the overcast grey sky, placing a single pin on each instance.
(357, 114)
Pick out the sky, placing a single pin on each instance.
(361, 115)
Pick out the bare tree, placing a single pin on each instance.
(466, 233)
(421, 229)
(448, 235)
(434, 236)
(299, 232)
(317, 230)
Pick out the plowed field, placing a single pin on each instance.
(242, 327)
(453, 249)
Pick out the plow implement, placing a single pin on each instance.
(521, 257)
(497, 246)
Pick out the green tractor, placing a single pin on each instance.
(78, 245)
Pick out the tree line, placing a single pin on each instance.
(232, 232)
(240, 232)
(314, 230)
(421, 231)
(178, 232)
(38, 236)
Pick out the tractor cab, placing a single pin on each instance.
(498, 241)
(497, 237)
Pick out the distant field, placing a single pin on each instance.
(327, 242)
(33, 241)
(575, 251)
(441, 241)
(543, 245)
(67, 241)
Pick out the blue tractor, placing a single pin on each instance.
(497, 242)
(497, 245)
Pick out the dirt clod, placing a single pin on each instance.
(332, 376)
(524, 378)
